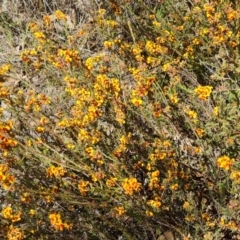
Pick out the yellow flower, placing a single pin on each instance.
(56, 171)
(32, 212)
(155, 173)
(192, 114)
(156, 24)
(83, 187)
(204, 31)
(70, 146)
(186, 205)
(137, 101)
(203, 92)
(235, 175)
(111, 182)
(197, 150)
(111, 23)
(174, 187)
(120, 115)
(43, 120)
(40, 129)
(216, 111)
(154, 203)
(25, 197)
(109, 44)
(48, 198)
(225, 162)
(7, 212)
(47, 20)
(101, 11)
(232, 226)
(60, 15)
(56, 222)
(119, 211)
(130, 185)
(4, 69)
(39, 35)
(33, 27)
(14, 233)
(166, 67)
(232, 14)
(16, 217)
(200, 132)
(190, 218)
(174, 98)
(149, 213)
(196, 41)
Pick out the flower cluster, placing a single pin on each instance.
(7, 213)
(60, 15)
(225, 162)
(121, 116)
(14, 233)
(4, 69)
(57, 223)
(55, 171)
(83, 187)
(131, 185)
(119, 211)
(203, 92)
(6, 179)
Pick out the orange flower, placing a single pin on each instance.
(111, 182)
(119, 211)
(83, 187)
(14, 233)
(47, 20)
(200, 132)
(56, 222)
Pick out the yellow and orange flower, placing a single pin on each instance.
(203, 92)
(131, 185)
(225, 162)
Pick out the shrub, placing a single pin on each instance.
(123, 125)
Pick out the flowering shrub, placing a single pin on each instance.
(130, 113)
